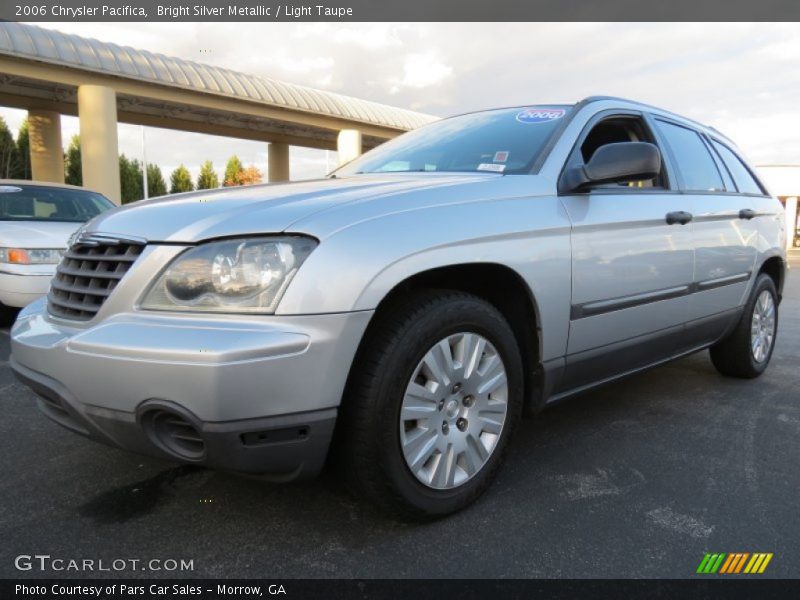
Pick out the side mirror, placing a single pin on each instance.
(615, 163)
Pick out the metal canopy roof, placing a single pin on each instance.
(60, 49)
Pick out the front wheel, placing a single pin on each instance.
(746, 352)
(432, 405)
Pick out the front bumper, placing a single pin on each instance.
(256, 394)
(19, 288)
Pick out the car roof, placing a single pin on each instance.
(628, 104)
(649, 107)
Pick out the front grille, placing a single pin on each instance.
(88, 273)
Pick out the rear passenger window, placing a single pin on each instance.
(741, 175)
(694, 161)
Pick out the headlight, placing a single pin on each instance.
(244, 275)
(30, 256)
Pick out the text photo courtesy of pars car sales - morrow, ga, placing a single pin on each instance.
(366, 300)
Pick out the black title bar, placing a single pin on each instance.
(400, 10)
(702, 587)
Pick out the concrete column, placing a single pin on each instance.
(97, 111)
(277, 162)
(791, 220)
(348, 145)
(47, 152)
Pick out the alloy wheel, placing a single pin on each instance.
(762, 326)
(453, 410)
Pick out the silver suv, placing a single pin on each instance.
(408, 309)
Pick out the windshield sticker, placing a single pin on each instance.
(501, 156)
(491, 167)
(540, 115)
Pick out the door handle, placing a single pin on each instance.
(747, 213)
(679, 216)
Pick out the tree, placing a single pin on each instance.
(207, 179)
(22, 164)
(8, 150)
(130, 179)
(249, 176)
(72, 162)
(180, 181)
(233, 171)
(156, 186)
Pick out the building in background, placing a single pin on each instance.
(50, 73)
(783, 181)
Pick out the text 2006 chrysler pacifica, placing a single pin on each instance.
(417, 301)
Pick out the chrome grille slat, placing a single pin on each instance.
(88, 273)
(101, 257)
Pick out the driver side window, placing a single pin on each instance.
(620, 129)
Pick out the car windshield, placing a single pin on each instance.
(44, 203)
(507, 141)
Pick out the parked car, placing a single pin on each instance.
(36, 220)
(414, 304)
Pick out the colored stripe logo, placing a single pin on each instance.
(734, 563)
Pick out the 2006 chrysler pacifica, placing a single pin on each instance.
(419, 299)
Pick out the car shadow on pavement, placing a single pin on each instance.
(137, 499)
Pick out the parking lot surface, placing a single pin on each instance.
(637, 479)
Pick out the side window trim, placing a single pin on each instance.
(667, 170)
(675, 180)
(727, 176)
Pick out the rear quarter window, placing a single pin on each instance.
(744, 180)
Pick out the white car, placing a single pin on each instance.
(36, 221)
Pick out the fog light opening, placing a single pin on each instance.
(174, 435)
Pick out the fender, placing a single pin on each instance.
(357, 267)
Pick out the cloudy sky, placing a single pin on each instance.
(744, 79)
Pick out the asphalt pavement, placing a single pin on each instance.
(637, 479)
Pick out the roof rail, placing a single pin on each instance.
(590, 99)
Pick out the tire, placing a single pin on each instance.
(378, 443)
(734, 356)
(7, 315)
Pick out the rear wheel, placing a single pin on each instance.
(432, 405)
(746, 352)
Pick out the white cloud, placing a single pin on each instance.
(380, 36)
(423, 71)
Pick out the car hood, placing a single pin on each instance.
(36, 234)
(276, 208)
